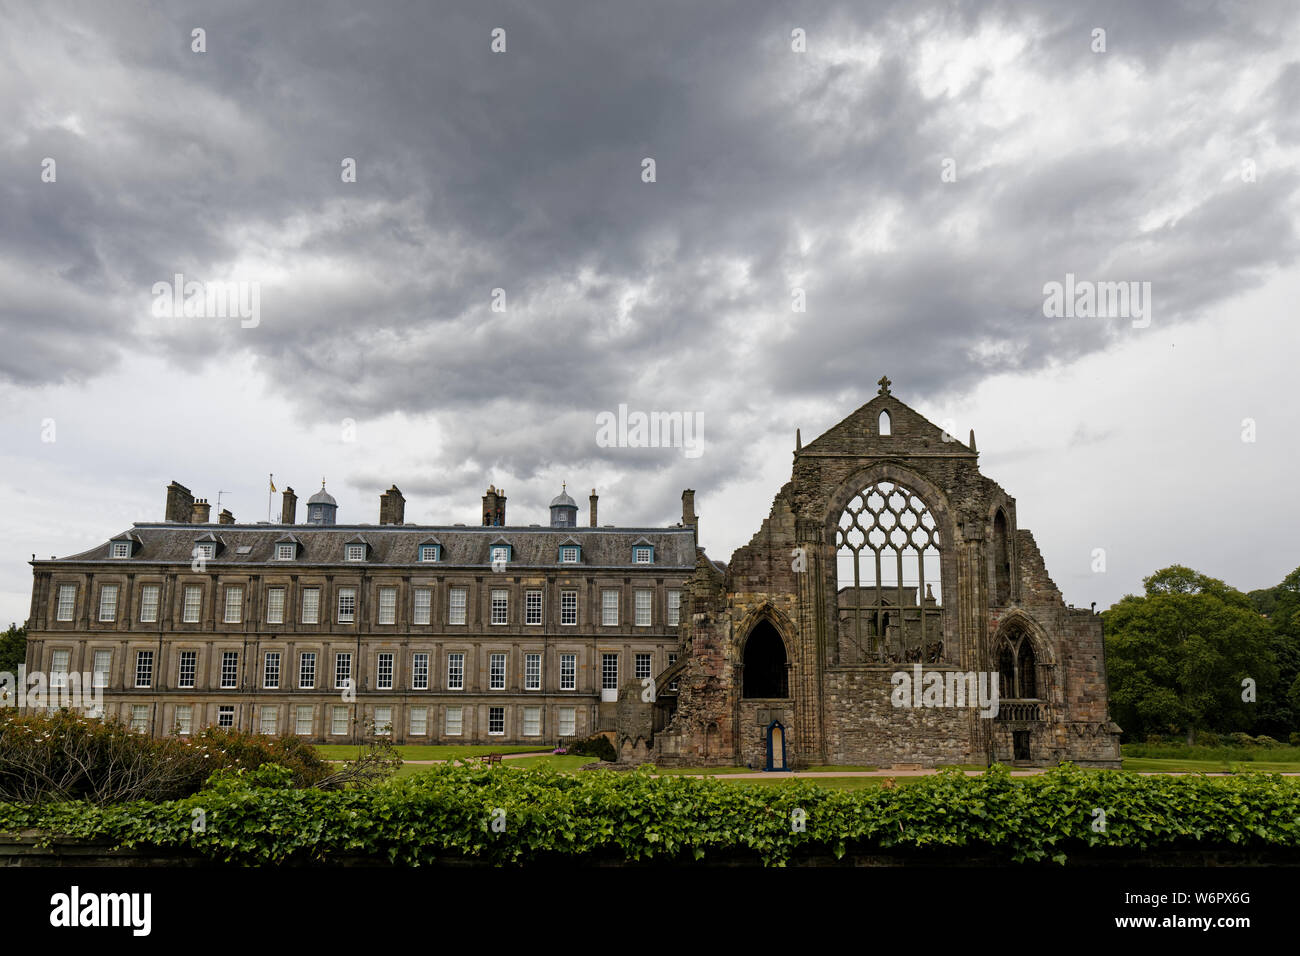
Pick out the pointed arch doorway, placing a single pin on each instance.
(776, 746)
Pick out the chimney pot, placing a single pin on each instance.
(200, 511)
(289, 508)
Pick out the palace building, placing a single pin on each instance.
(491, 634)
(888, 561)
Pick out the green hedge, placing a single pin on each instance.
(448, 812)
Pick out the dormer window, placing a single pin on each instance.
(569, 554)
(121, 549)
(354, 552)
(643, 554)
(500, 553)
(285, 552)
(206, 550)
(429, 552)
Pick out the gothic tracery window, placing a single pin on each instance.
(888, 552)
(1017, 667)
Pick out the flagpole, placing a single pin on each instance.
(269, 493)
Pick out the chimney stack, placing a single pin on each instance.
(225, 517)
(392, 507)
(289, 509)
(494, 507)
(180, 503)
(689, 517)
(593, 500)
(201, 511)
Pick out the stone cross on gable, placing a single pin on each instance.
(884, 384)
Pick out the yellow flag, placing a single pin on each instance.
(272, 484)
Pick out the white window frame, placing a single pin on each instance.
(608, 682)
(234, 610)
(384, 670)
(59, 660)
(121, 549)
(568, 608)
(644, 665)
(608, 608)
(306, 682)
(229, 663)
(429, 549)
(644, 605)
(496, 715)
(568, 672)
(674, 608)
(453, 711)
(284, 551)
(569, 554)
(532, 606)
(499, 554)
(420, 671)
(417, 728)
(185, 677)
(144, 666)
(184, 719)
(275, 605)
(100, 674)
(422, 609)
(225, 711)
(567, 717)
(643, 554)
(383, 718)
(149, 605)
(108, 603)
(140, 718)
(532, 726)
(354, 552)
(311, 605)
(271, 675)
(497, 671)
(532, 671)
(457, 605)
(456, 670)
(339, 713)
(206, 550)
(387, 610)
(192, 610)
(298, 720)
(500, 599)
(342, 669)
(350, 615)
(273, 711)
(66, 608)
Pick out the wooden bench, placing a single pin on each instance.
(491, 758)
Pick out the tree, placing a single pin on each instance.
(1280, 703)
(13, 648)
(1178, 655)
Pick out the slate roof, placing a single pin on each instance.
(172, 542)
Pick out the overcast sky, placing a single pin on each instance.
(919, 171)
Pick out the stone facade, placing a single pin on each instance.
(923, 510)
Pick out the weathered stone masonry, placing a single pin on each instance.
(994, 610)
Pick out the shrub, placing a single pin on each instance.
(1265, 741)
(1207, 738)
(446, 814)
(1241, 739)
(597, 745)
(1155, 739)
(1295, 738)
(67, 756)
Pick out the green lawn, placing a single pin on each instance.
(1185, 765)
(424, 751)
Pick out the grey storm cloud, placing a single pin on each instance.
(521, 171)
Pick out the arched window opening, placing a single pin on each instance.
(1001, 561)
(764, 665)
(883, 424)
(888, 580)
(1017, 667)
